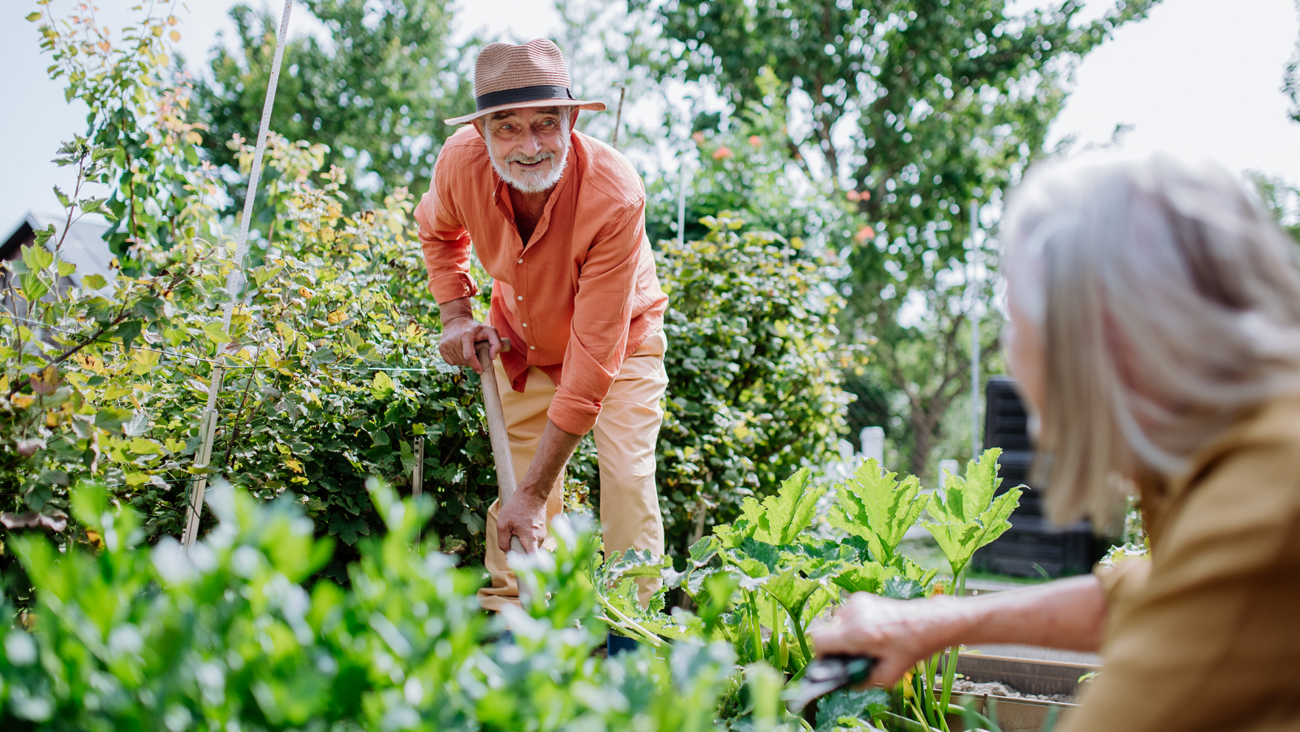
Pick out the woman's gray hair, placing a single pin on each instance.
(1168, 303)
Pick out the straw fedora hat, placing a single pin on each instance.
(532, 75)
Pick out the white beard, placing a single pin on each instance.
(531, 182)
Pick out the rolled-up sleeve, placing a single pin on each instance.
(601, 316)
(444, 240)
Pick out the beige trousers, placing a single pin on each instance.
(625, 435)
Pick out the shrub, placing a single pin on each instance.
(229, 637)
(754, 372)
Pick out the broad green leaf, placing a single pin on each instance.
(850, 706)
(382, 385)
(636, 563)
(791, 590)
(37, 258)
(216, 333)
(781, 518)
(33, 287)
(66, 268)
(703, 551)
(869, 577)
(877, 507)
(93, 281)
(902, 588)
(968, 516)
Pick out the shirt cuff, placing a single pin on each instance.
(572, 413)
(452, 286)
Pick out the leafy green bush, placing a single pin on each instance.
(332, 372)
(150, 639)
(753, 372)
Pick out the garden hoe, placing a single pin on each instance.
(497, 429)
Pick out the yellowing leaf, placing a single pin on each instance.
(338, 316)
(294, 465)
(22, 401)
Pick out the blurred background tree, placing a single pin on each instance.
(911, 111)
(375, 90)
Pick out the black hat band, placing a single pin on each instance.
(522, 94)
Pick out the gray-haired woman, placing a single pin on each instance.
(1155, 332)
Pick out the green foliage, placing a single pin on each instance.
(753, 372)
(376, 90)
(767, 576)
(948, 102)
(138, 638)
(876, 507)
(331, 364)
(968, 514)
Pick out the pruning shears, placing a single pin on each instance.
(831, 673)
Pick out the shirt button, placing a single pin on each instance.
(520, 261)
(532, 348)
(519, 297)
(525, 325)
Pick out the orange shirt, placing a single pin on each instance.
(579, 296)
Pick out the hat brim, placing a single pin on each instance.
(579, 103)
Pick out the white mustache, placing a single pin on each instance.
(521, 158)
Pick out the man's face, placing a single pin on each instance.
(529, 147)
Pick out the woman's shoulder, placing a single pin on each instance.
(1243, 492)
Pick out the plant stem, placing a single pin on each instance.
(950, 669)
(803, 643)
(755, 628)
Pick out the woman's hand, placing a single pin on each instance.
(896, 633)
(1067, 614)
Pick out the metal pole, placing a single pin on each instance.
(235, 286)
(681, 205)
(974, 333)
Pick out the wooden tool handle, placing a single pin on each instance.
(496, 419)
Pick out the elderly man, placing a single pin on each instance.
(558, 220)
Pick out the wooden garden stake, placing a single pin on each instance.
(497, 430)
(417, 473)
(417, 483)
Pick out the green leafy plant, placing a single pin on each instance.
(133, 637)
(762, 581)
(753, 372)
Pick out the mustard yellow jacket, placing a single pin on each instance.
(1205, 634)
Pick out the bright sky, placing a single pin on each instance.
(1198, 78)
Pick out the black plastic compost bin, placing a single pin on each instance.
(1032, 541)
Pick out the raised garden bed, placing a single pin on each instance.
(1020, 694)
